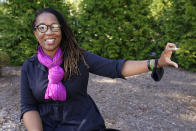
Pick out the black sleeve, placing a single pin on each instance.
(27, 100)
(103, 66)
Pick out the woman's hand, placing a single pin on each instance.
(166, 55)
(131, 67)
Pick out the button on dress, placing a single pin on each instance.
(78, 112)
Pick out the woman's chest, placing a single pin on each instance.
(75, 87)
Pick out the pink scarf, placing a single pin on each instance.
(55, 89)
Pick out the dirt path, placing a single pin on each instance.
(135, 104)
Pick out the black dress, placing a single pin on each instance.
(78, 112)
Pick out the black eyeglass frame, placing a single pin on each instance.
(48, 26)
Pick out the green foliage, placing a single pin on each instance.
(116, 29)
(187, 57)
(4, 58)
(176, 23)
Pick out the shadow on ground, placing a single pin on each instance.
(135, 104)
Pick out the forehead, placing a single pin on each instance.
(46, 18)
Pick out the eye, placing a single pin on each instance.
(55, 27)
(42, 28)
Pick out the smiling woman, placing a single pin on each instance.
(51, 103)
(48, 33)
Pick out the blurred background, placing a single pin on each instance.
(116, 29)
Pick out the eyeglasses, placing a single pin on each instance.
(43, 28)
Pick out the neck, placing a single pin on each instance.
(50, 53)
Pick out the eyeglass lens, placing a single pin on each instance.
(43, 28)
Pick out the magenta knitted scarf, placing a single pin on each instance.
(55, 89)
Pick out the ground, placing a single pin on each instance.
(135, 104)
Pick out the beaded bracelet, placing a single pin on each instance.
(148, 63)
(151, 64)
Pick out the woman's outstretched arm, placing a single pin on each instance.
(137, 67)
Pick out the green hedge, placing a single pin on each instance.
(4, 58)
(114, 29)
(176, 22)
(134, 29)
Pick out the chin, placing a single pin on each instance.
(51, 48)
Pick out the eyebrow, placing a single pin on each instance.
(46, 24)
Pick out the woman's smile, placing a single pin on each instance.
(50, 41)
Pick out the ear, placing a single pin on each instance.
(35, 33)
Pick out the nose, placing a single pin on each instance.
(49, 31)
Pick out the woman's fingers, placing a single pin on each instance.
(170, 47)
(166, 55)
(173, 64)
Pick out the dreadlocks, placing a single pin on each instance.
(72, 53)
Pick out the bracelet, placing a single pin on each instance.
(156, 62)
(148, 64)
(152, 64)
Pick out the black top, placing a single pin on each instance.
(78, 112)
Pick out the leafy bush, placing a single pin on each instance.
(175, 22)
(4, 59)
(116, 29)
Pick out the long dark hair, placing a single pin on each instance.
(72, 53)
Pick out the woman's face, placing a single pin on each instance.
(48, 33)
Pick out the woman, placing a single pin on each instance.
(54, 81)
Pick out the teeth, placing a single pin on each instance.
(50, 40)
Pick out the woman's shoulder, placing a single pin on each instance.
(86, 53)
(89, 55)
(94, 59)
(29, 62)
